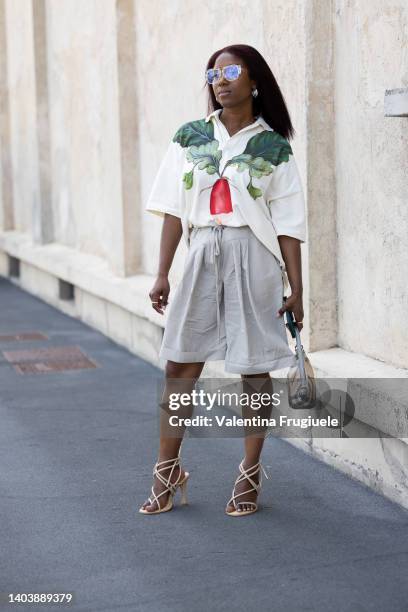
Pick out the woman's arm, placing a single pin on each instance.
(170, 237)
(290, 248)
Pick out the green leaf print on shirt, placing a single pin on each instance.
(263, 152)
(202, 148)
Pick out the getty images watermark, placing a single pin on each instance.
(255, 402)
(235, 407)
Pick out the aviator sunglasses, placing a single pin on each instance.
(231, 73)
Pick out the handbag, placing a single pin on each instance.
(301, 376)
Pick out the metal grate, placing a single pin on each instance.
(52, 359)
(23, 336)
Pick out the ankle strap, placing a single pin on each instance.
(256, 467)
(176, 461)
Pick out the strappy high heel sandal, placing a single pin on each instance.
(246, 474)
(171, 487)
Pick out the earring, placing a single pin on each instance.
(255, 92)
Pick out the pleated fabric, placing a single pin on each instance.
(225, 304)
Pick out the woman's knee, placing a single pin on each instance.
(175, 369)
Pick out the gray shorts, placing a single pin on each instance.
(225, 304)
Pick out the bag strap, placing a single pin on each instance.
(295, 333)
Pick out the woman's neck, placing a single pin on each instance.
(236, 121)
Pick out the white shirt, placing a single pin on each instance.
(263, 181)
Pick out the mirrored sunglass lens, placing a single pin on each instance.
(231, 72)
(211, 75)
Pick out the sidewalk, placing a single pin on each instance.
(77, 451)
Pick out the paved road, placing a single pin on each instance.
(77, 450)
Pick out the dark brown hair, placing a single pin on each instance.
(270, 102)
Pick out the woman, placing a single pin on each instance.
(230, 185)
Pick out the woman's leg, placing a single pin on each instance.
(254, 436)
(179, 378)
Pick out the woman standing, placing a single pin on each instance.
(228, 184)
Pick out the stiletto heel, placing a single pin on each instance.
(170, 487)
(183, 489)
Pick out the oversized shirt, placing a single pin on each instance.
(263, 181)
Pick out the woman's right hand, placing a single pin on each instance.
(159, 294)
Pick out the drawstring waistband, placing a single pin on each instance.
(216, 231)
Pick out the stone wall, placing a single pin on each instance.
(372, 190)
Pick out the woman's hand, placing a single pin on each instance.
(295, 304)
(159, 293)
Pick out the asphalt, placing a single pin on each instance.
(77, 451)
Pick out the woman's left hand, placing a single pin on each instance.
(295, 304)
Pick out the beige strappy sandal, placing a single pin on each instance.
(246, 474)
(171, 487)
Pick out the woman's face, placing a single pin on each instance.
(236, 91)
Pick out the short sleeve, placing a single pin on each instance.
(168, 189)
(286, 202)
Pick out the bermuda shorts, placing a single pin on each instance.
(224, 307)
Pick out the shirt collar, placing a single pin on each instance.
(259, 121)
